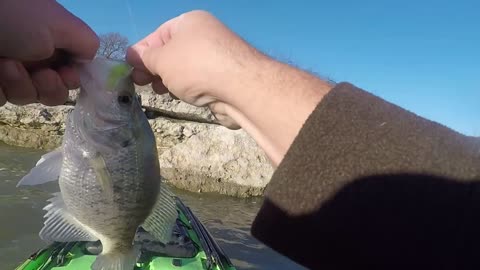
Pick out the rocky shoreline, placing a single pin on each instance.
(195, 153)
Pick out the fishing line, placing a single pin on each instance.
(132, 19)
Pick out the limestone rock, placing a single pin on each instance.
(195, 153)
(72, 96)
(170, 132)
(165, 105)
(33, 125)
(217, 160)
(34, 115)
(29, 138)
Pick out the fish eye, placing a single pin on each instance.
(124, 99)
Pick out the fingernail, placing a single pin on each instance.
(11, 71)
(60, 85)
(72, 85)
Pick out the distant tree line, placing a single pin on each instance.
(113, 46)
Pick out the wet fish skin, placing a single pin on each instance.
(102, 126)
(108, 171)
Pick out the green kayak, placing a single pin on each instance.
(192, 247)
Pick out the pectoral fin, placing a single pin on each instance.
(61, 226)
(103, 176)
(162, 219)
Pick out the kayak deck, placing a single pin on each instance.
(77, 260)
(192, 247)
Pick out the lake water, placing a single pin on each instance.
(227, 218)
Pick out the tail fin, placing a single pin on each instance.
(116, 261)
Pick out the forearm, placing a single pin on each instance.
(369, 180)
(271, 102)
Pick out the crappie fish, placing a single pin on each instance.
(107, 169)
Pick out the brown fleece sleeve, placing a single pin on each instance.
(367, 183)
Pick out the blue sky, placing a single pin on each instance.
(421, 55)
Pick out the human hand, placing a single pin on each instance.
(32, 32)
(202, 62)
(194, 56)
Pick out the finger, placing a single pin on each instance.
(159, 87)
(70, 77)
(173, 96)
(16, 83)
(158, 38)
(140, 74)
(58, 59)
(157, 59)
(141, 78)
(165, 32)
(50, 87)
(72, 34)
(220, 111)
(134, 54)
(134, 58)
(3, 99)
(227, 122)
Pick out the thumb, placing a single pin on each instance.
(155, 40)
(144, 61)
(148, 63)
(156, 59)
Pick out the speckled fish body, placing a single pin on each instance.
(109, 174)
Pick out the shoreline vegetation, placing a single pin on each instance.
(195, 153)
